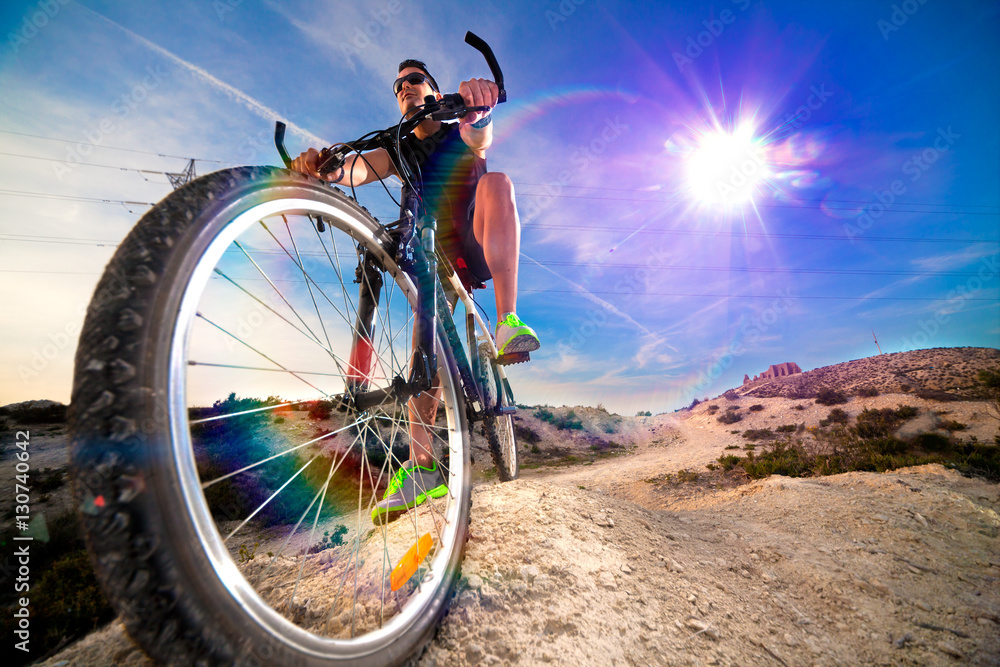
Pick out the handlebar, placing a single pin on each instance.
(449, 107)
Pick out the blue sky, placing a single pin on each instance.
(866, 195)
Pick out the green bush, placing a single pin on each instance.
(829, 396)
(907, 412)
(867, 391)
(758, 434)
(730, 417)
(321, 410)
(837, 416)
(569, 422)
(756, 407)
(525, 434)
(728, 461)
(874, 423)
(786, 428)
(932, 442)
(951, 426)
(544, 414)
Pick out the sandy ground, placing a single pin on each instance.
(604, 563)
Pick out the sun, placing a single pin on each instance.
(726, 169)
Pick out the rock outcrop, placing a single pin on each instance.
(781, 370)
(774, 371)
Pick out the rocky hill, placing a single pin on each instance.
(949, 371)
(624, 542)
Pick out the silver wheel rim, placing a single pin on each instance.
(213, 544)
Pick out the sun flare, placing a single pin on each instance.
(727, 169)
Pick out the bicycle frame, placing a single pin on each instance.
(417, 254)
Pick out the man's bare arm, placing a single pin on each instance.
(357, 169)
(478, 92)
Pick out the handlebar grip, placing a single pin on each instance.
(480, 45)
(279, 143)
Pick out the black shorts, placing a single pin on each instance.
(472, 252)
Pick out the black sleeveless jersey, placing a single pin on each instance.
(449, 172)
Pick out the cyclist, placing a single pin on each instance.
(478, 229)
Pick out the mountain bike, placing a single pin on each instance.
(237, 530)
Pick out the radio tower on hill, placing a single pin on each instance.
(876, 342)
(183, 178)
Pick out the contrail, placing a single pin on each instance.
(253, 105)
(602, 303)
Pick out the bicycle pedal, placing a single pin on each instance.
(513, 358)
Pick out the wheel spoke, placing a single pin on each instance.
(251, 347)
(286, 452)
(270, 498)
(276, 313)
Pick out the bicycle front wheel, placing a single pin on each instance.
(226, 499)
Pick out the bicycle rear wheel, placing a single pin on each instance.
(499, 429)
(234, 529)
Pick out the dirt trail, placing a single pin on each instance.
(862, 568)
(601, 564)
(896, 568)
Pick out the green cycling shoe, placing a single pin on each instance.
(513, 335)
(412, 485)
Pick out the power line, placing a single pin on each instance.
(699, 232)
(758, 205)
(87, 164)
(114, 148)
(555, 291)
(92, 200)
(560, 196)
(757, 296)
(839, 201)
(764, 269)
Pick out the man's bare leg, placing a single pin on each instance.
(498, 231)
(423, 411)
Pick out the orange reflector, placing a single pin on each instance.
(409, 563)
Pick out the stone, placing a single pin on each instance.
(781, 370)
(607, 580)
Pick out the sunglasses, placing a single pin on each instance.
(413, 78)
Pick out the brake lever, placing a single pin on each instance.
(330, 160)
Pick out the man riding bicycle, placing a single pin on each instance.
(478, 229)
